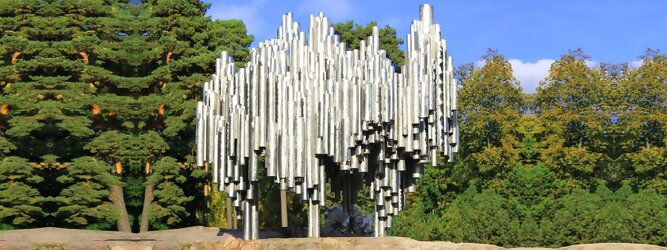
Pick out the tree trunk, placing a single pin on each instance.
(119, 167)
(148, 199)
(84, 55)
(118, 200)
(15, 56)
(95, 109)
(147, 168)
(169, 54)
(4, 110)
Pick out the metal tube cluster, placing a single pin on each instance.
(318, 112)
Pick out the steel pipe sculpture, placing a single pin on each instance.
(320, 113)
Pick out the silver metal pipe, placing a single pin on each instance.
(309, 106)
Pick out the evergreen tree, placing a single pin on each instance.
(20, 201)
(354, 34)
(532, 191)
(188, 44)
(646, 213)
(86, 201)
(45, 105)
(614, 215)
(417, 224)
(576, 220)
(110, 147)
(529, 233)
(114, 79)
(479, 217)
(45, 96)
(97, 108)
(148, 79)
(169, 204)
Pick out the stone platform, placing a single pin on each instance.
(214, 238)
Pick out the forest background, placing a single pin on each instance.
(97, 107)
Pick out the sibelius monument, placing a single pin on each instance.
(319, 113)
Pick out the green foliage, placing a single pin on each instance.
(169, 206)
(532, 191)
(417, 224)
(217, 207)
(479, 217)
(85, 201)
(642, 122)
(354, 34)
(19, 199)
(96, 94)
(115, 81)
(646, 217)
(588, 167)
(489, 103)
(572, 109)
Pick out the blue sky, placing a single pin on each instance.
(530, 33)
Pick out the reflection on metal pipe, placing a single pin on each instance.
(320, 113)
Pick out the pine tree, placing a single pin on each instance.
(417, 224)
(148, 79)
(45, 96)
(20, 201)
(170, 201)
(86, 200)
(188, 49)
(45, 105)
(353, 35)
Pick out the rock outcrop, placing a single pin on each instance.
(214, 238)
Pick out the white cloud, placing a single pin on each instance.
(636, 63)
(592, 64)
(480, 63)
(336, 10)
(530, 74)
(262, 17)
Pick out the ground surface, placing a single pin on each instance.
(213, 238)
